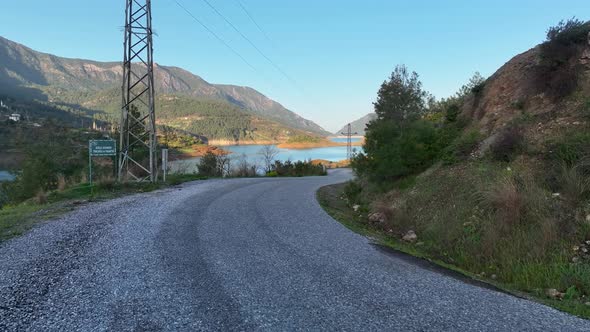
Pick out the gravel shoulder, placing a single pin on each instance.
(239, 254)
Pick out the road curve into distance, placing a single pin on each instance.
(236, 255)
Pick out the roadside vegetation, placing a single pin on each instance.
(213, 165)
(52, 172)
(509, 205)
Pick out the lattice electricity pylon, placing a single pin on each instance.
(138, 159)
(349, 134)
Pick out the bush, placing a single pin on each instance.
(478, 89)
(298, 168)
(571, 31)
(451, 113)
(507, 145)
(244, 169)
(461, 147)
(4, 198)
(570, 148)
(556, 76)
(353, 191)
(574, 182)
(392, 152)
(208, 165)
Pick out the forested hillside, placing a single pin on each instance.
(93, 89)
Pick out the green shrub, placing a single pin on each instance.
(353, 191)
(570, 148)
(508, 144)
(518, 104)
(571, 31)
(208, 165)
(392, 152)
(298, 168)
(451, 113)
(4, 198)
(272, 174)
(461, 147)
(478, 89)
(556, 75)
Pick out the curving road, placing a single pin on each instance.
(240, 254)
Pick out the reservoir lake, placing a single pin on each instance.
(252, 154)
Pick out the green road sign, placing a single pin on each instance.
(103, 148)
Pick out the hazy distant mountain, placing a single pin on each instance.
(359, 125)
(25, 73)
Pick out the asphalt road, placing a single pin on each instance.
(240, 254)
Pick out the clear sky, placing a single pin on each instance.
(337, 52)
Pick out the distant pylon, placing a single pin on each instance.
(349, 134)
(138, 159)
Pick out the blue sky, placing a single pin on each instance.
(338, 52)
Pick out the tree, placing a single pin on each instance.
(400, 99)
(398, 142)
(268, 153)
(475, 85)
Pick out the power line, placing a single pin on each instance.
(215, 35)
(251, 43)
(254, 21)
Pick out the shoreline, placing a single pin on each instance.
(217, 147)
(312, 145)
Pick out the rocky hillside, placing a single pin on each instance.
(506, 198)
(542, 91)
(25, 73)
(358, 126)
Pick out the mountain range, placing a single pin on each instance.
(94, 87)
(358, 126)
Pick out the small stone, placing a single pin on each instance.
(575, 248)
(588, 242)
(508, 169)
(554, 293)
(493, 276)
(555, 195)
(356, 207)
(468, 224)
(377, 217)
(410, 237)
(575, 259)
(584, 249)
(588, 218)
(587, 303)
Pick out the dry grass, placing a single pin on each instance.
(506, 201)
(574, 183)
(40, 198)
(62, 183)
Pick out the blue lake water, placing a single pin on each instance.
(5, 176)
(252, 154)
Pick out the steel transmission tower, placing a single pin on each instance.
(138, 159)
(349, 134)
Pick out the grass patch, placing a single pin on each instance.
(481, 219)
(15, 220)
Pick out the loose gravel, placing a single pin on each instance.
(240, 254)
